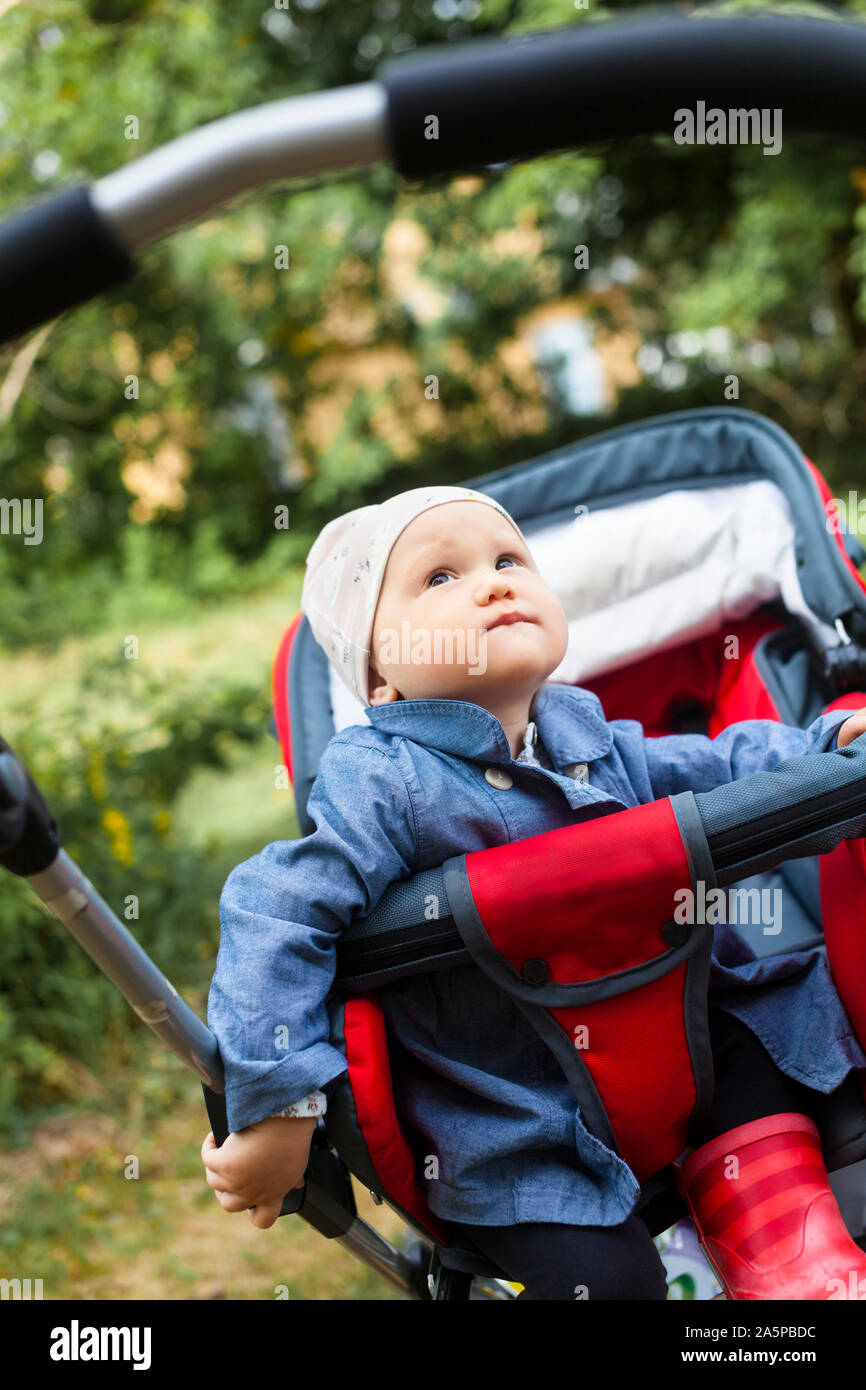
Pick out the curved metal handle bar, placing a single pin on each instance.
(290, 139)
(80, 243)
(493, 100)
(505, 99)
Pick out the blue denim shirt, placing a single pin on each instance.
(482, 1091)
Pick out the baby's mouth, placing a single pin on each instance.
(507, 620)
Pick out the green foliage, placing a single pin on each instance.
(176, 485)
(113, 792)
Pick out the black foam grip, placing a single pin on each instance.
(29, 837)
(54, 255)
(215, 1104)
(803, 806)
(498, 100)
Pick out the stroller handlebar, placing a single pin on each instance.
(520, 97)
(447, 109)
(79, 243)
(29, 838)
(794, 810)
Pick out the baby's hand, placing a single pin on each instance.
(257, 1166)
(851, 729)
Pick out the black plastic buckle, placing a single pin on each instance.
(845, 665)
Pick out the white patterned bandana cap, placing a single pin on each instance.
(345, 569)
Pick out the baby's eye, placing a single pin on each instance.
(435, 574)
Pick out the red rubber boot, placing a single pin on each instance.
(769, 1223)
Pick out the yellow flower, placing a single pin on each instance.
(117, 825)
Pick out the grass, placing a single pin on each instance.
(105, 1205)
(241, 632)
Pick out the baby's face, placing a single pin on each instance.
(452, 574)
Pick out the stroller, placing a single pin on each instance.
(697, 534)
(735, 595)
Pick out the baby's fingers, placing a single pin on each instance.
(265, 1216)
(230, 1201)
(216, 1181)
(212, 1158)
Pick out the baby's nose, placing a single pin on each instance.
(497, 583)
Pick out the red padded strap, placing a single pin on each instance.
(639, 1059)
(590, 900)
(370, 1079)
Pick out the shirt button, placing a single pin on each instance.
(498, 777)
(579, 771)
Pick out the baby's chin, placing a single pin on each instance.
(479, 686)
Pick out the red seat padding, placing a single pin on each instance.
(370, 1079)
(602, 890)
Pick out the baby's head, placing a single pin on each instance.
(406, 599)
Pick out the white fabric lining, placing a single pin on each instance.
(649, 575)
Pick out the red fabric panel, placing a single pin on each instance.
(742, 693)
(843, 896)
(636, 1051)
(602, 890)
(645, 689)
(280, 693)
(697, 669)
(370, 1079)
(843, 899)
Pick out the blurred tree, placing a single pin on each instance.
(222, 383)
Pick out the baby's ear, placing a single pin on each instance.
(380, 692)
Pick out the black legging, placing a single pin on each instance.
(557, 1261)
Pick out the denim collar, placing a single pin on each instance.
(566, 717)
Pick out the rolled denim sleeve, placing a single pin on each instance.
(281, 914)
(694, 762)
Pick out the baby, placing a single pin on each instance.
(468, 746)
